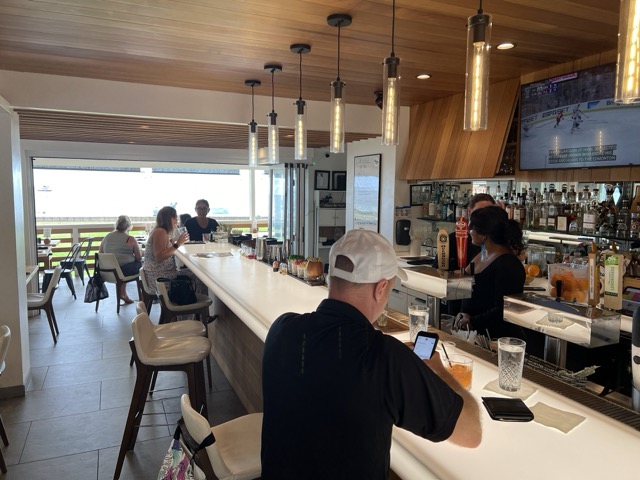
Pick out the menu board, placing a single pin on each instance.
(366, 192)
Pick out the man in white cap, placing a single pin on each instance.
(334, 387)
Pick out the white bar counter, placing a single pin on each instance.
(598, 447)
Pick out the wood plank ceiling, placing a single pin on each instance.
(217, 44)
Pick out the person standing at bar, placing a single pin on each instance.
(498, 272)
(334, 387)
(200, 224)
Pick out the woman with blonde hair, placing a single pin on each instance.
(126, 250)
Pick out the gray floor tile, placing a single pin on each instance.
(73, 467)
(119, 348)
(86, 372)
(61, 354)
(51, 403)
(17, 434)
(74, 434)
(143, 463)
(37, 378)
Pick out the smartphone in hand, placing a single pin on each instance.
(425, 344)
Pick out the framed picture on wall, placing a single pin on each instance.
(419, 194)
(322, 180)
(339, 180)
(366, 192)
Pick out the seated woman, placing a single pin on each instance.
(200, 224)
(497, 272)
(126, 250)
(159, 260)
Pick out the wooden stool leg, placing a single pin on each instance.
(3, 465)
(48, 309)
(3, 433)
(209, 372)
(138, 400)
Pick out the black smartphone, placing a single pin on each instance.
(425, 344)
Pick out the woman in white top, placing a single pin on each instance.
(159, 259)
(126, 250)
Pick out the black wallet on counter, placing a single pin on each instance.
(507, 409)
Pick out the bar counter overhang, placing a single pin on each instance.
(249, 296)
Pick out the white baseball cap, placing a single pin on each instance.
(372, 256)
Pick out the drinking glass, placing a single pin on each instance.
(461, 368)
(205, 237)
(418, 320)
(510, 363)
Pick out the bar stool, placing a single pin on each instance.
(148, 295)
(235, 453)
(183, 328)
(5, 337)
(152, 354)
(170, 311)
(44, 301)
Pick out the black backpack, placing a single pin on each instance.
(182, 290)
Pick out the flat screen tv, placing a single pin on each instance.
(572, 121)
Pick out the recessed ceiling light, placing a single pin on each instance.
(423, 76)
(506, 46)
(145, 126)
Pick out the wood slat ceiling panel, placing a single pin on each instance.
(76, 127)
(217, 44)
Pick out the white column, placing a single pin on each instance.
(13, 289)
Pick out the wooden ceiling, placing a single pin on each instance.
(217, 44)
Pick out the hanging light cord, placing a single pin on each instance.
(252, 106)
(300, 53)
(273, 91)
(339, 28)
(479, 9)
(393, 29)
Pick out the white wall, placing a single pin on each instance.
(33, 90)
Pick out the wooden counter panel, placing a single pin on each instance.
(238, 352)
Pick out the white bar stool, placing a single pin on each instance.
(235, 453)
(152, 354)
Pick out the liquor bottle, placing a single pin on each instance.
(536, 211)
(590, 218)
(577, 218)
(522, 210)
(635, 203)
(624, 219)
(498, 194)
(608, 229)
(553, 209)
(544, 209)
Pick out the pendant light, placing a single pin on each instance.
(391, 97)
(300, 124)
(274, 145)
(628, 68)
(336, 140)
(476, 95)
(253, 126)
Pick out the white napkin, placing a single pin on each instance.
(554, 418)
(526, 390)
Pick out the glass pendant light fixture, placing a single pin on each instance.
(476, 94)
(253, 126)
(628, 67)
(300, 124)
(391, 96)
(336, 140)
(274, 145)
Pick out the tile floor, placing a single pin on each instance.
(70, 422)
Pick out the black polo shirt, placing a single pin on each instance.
(333, 388)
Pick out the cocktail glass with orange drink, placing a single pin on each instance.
(461, 368)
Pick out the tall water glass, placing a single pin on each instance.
(418, 320)
(510, 363)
